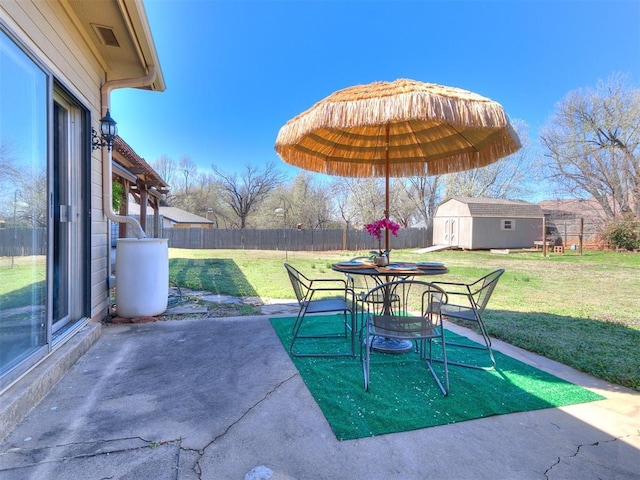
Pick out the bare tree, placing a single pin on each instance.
(423, 194)
(166, 168)
(340, 193)
(592, 145)
(401, 207)
(243, 193)
(188, 170)
(8, 178)
(359, 200)
(30, 189)
(506, 178)
(8, 170)
(184, 177)
(22, 187)
(310, 202)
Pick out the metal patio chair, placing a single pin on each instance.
(322, 296)
(412, 314)
(361, 286)
(467, 302)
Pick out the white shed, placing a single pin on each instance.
(484, 223)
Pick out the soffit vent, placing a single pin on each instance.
(106, 35)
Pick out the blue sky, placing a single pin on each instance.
(237, 70)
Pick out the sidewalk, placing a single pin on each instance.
(218, 399)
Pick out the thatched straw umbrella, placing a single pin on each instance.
(397, 129)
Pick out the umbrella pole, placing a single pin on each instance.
(386, 185)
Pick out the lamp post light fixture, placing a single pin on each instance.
(282, 212)
(108, 132)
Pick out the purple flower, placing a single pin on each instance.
(375, 228)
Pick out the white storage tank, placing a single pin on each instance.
(142, 277)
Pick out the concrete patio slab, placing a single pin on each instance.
(220, 399)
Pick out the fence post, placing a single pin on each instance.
(544, 236)
(580, 236)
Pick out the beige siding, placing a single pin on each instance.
(50, 34)
(452, 225)
(453, 208)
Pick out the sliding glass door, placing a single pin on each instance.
(23, 206)
(44, 211)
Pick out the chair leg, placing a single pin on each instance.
(367, 353)
(444, 388)
(486, 346)
(348, 325)
(445, 363)
(487, 342)
(361, 324)
(296, 329)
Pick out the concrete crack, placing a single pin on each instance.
(197, 468)
(104, 450)
(578, 449)
(147, 444)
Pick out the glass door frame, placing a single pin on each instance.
(76, 207)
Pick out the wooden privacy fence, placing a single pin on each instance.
(577, 231)
(21, 242)
(292, 239)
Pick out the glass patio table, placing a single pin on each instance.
(382, 275)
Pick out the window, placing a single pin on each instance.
(507, 224)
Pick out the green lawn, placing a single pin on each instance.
(23, 283)
(583, 311)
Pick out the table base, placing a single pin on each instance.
(391, 345)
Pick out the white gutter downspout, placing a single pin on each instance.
(107, 188)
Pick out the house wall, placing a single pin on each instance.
(46, 29)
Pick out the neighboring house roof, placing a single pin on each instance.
(178, 215)
(498, 207)
(573, 208)
(174, 214)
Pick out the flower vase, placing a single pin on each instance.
(381, 260)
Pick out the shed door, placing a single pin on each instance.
(451, 228)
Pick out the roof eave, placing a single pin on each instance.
(135, 53)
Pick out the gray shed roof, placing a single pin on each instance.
(498, 207)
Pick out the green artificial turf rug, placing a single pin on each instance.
(402, 393)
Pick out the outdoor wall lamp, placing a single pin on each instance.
(108, 132)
